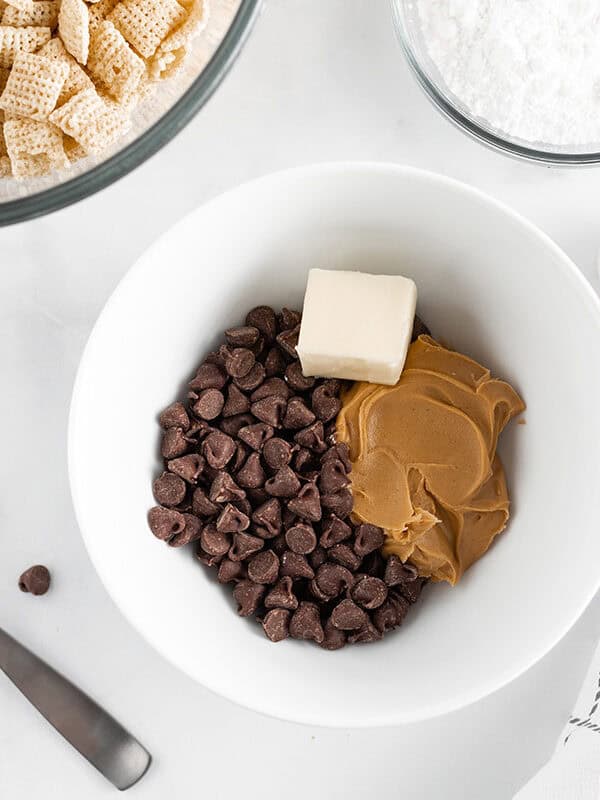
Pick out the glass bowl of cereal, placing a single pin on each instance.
(89, 91)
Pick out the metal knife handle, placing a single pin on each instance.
(91, 731)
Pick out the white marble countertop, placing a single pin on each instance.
(318, 81)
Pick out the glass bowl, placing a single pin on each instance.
(155, 122)
(409, 31)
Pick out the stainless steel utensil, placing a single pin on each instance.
(97, 736)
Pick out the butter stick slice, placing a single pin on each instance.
(356, 326)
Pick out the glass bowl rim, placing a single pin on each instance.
(149, 142)
(469, 126)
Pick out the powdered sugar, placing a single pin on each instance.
(528, 68)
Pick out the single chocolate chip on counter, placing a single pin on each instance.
(276, 624)
(296, 566)
(218, 449)
(277, 453)
(202, 506)
(343, 554)
(244, 545)
(333, 579)
(231, 571)
(270, 410)
(368, 539)
(334, 531)
(297, 415)
(282, 595)
(232, 520)
(252, 380)
(232, 425)
(174, 443)
(209, 376)
(251, 475)
(347, 616)
(369, 592)
(288, 319)
(248, 595)
(275, 362)
(236, 402)
(288, 340)
(165, 522)
(338, 503)
(263, 318)
(271, 387)
(306, 623)
(209, 404)
(213, 541)
(169, 489)
(187, 467)
(333, 476)
(264, 567)
(256, 435)
(325, 402)
(301, 538)
(419, 329)
(242, 336)
(35, 580)
(175, 416)
(284, 483)
(396, 572)
(307, 503)
(224, 489)
(268, 517)
(312, 437)
(190, 533)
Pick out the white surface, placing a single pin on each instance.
(318, 81)
(453, 648)
(382, 310)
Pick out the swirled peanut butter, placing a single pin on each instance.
(424, 463)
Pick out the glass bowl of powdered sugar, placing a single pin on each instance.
(522, 76)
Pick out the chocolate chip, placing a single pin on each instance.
(214, 357)
(251, 475)
(325, 402)
(333, 476)
(343, 554)
(218, 449)
(215, 542)
(288, 319)
(411, 591)
(298, 381)
(232, 520)
(296, 565)
(231, 571)
(271, 387)
(307, 503)
(169, 489)
(369, 592)
(205, 558)
(264, 567)
(263, 318)
(236, 402)
(283, 484)
(288, 340)
(165, 522)
(276, 624)
(396, 572)
(281, 595)
(297, 414)
(209, 376)
(304, 460)
(317, 557)
(175, 416)
(252, 380)
(306, 623)
(232, 425)
(241, 454)
(173, 443)
(242, 336)
(256, 435)
(312, 437)
(270, 410)
(419, 329)
(35, 580)
(244, 545)
(268, 516)
(274, 362)
(368, 538)
(187, 467)
(373, 564)
(198, 430)
(277, 453)
(333, 579)
(244, 505)
(334, 638)
(368, 633)
(341, 451)
(224, 489)
(301, 538)
(248, 596)
(338, 503)
(190, 533)
(391, 613)
(347, 616)
(209, 404)
(334, 531)
(201, 505)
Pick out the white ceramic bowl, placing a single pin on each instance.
(489, 283)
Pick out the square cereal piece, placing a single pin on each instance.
(73, 150)
(99, 11)
(195, 22)
(166, 64)
(91, 121)
(33, 86)
(20, 40)
(34, 148)
(74, 28)
(113, 64)
(77, 79)
(145, 23)
(23, 5)
(43, 13)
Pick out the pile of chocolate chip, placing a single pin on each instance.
(254, 476)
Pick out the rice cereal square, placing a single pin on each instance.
(33, 86)
(145, 23)
(113, 63)
(34, 148)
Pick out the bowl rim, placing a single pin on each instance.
(148, 143)
(317, 170)
(468, 125)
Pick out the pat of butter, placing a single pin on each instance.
(356, 326)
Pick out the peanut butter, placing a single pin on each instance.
(424, 463)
